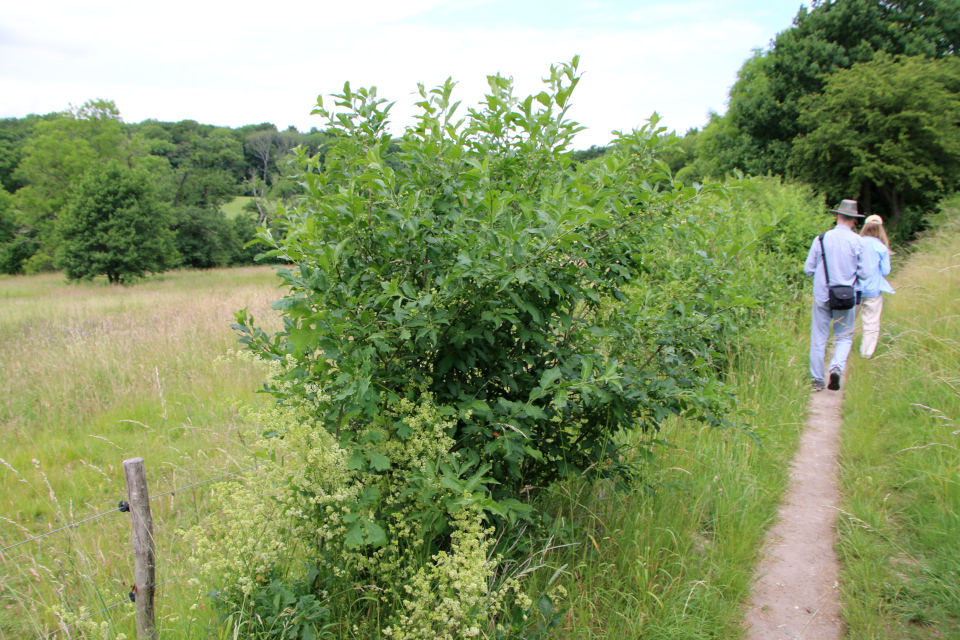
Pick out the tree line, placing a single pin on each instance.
(84, 191)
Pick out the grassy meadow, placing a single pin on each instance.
(233, 208)
(900, 526)
(96, 374)
(93, 374)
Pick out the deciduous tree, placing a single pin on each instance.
(206, 170)
(115, 226)
(205, 238)
(756, 134)
(887, 131)
(15, 247)
(57, 153)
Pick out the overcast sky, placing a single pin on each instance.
(243, 63)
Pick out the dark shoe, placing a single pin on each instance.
(834, 381)
(818, 385)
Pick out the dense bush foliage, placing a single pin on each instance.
(15, 249)
(205, 238)
(828, 36)
(468, 323)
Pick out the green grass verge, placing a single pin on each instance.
(677, 561)
(900, 526)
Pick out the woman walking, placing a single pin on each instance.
(876, 256)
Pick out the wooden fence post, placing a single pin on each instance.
(143, 548)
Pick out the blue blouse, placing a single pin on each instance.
(876, 258)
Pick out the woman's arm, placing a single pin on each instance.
(885, 262)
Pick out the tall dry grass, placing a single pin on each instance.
(94, 374)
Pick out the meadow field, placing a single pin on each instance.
(233, 208)
(92, 375)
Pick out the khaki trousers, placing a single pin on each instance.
(870, 309)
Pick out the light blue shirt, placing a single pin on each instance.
(876, 256)
(844, 261)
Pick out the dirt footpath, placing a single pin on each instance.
(796, 592)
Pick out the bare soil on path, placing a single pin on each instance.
(796, 590)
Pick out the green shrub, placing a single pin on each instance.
(39, 261)
(14, 254)
(245, 231)
(475, 319)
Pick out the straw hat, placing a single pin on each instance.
(874, 219)
(847, 208)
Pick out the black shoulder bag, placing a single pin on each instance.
(841, 296)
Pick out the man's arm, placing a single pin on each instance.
(863, 269)
(813, 258)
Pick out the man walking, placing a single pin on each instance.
(845, 264)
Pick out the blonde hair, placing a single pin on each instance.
(875, 230)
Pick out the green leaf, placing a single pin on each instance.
(493, 507)
(379, 461)
(357, 461)
(586, 368)
(545, 606)
(369, 496)
(451, 484)
(354, 537)
(549, 377)
(375, 534)
(560, 398)
(402, 429)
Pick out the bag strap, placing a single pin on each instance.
(826, 272)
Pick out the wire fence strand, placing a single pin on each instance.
(197, 484)
(185, 573)
(69, 526)
(105, 513)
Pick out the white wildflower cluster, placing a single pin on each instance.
(269, 518)
(428, 439)
(446, 596)
(297, 507)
